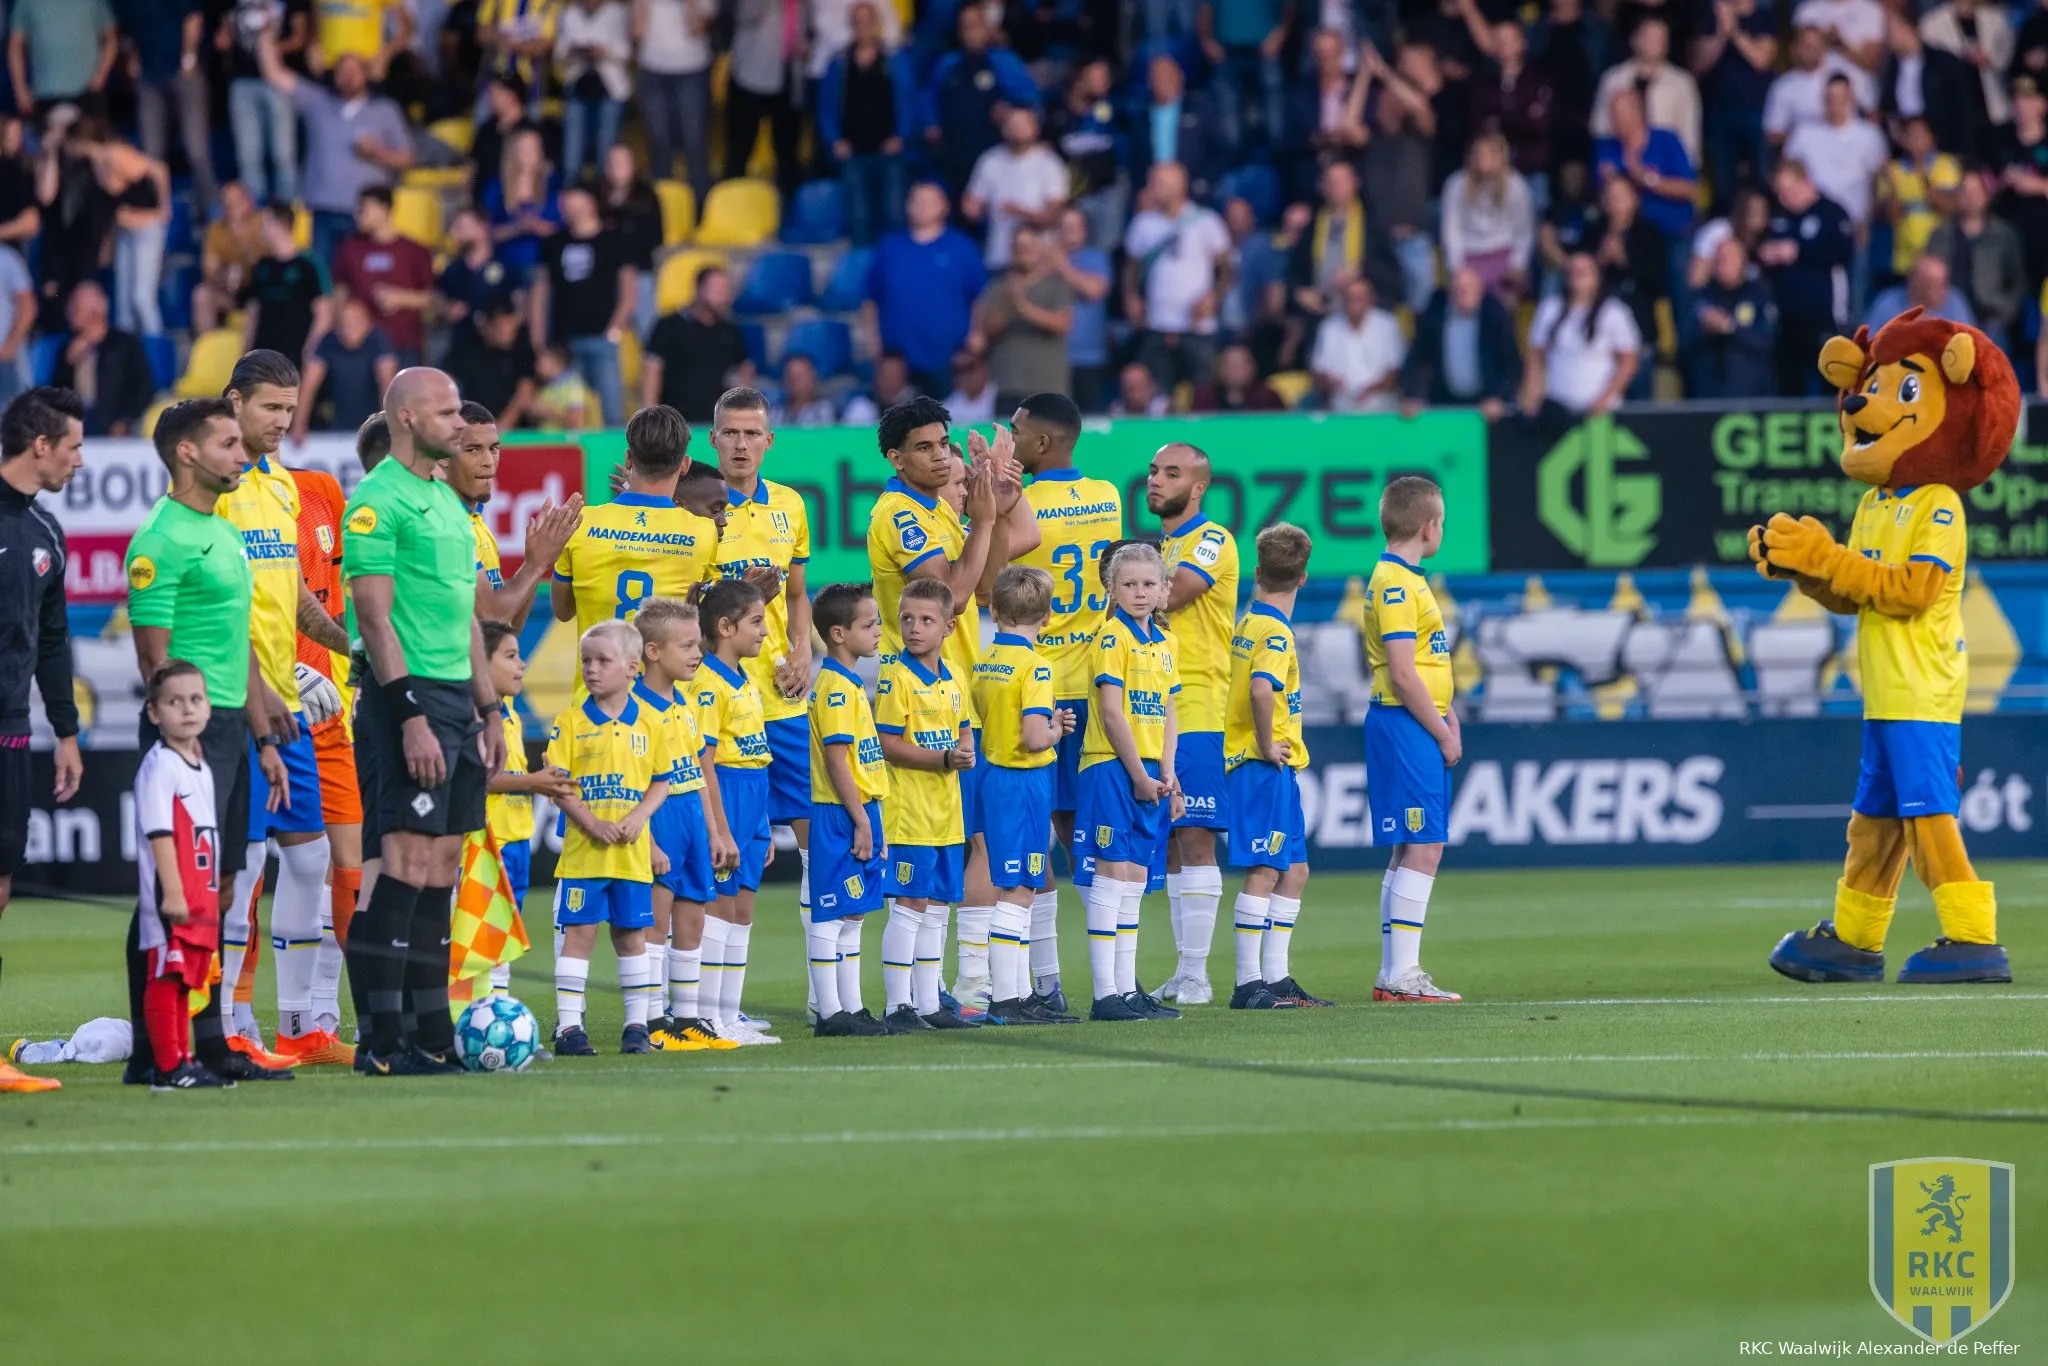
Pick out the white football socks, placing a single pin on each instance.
(1281, 912)
(295, 930)
(803, 884)
(1201, 889)
(501, 982)
(655, 984)
(849, 964)
(234, 930)
(1249, 922)
(1009, 951)
(633, 984)
(712, 956)
(685, 976)
(931, 957)
(1386, 922)
(899, 954)
(973, 951)
(803, 918)
(1409, 891)
(822, 949)
(1045, 940)
(327, 964)
(1127, 938)
(572, 975)
(732, 974)
(1105, 903)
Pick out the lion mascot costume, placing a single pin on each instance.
(1928, 410)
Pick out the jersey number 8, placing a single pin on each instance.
(634, 587)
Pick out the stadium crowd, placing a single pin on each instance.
(1208, 205)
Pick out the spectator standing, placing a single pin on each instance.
(77, 218)
(802, 403)
(474, 276)
(1019, 182)
(971, 88)
(1919, 81)
(492, 362)
(1255, 264)
(973, 398)
(503, 115)
(1916, 192)
(21, 216)
(922, 285)
(1086, 269)
(1022, 321)
(1237, 387)
(354, 140)
(673, 39)
(1242, 40)
(1800, 94)
(632, 214)
(1176, 274)
(1083, 126)
(1336, 242)
(1806, 256)
(1358, 353)
(346, 375)
(1984, 259)
(1574, 44)
(375, 32)
(1734, 58)
(523, 205)
(1981, 35)
(1584, 346)
(163, 41)
(1736, 322)
(105, 366)
(1842, 151)
(1634, 258)
(867, 109)
(593, 47)
(1669, 96)
(392, 274)
(1325, 113)
(1852, 29)
(766, 82)
(519, 38)
(139, 188)
(60, 52)
(583, 298)
(832, 31)
(892, 386)
(233, 244)
(1178, 125)
(287, 302)
(1464, 352)
(1926, 286)
(1137, 394)
(1396, 175)
(264, 124)
(17, 322)
(697, 352)
(1653, 160)
(2022, 162)
(1489, 219)
(1514, 95)
(1748, 220)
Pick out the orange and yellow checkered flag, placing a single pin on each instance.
(486, 928)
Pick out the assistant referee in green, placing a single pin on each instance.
(423, 750)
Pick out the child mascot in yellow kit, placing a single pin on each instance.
(1928, 410)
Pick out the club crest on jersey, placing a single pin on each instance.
(639, 742)
(780, 521)
(324, 534)
(1414, 819)
(904, 872)
(39, 560)
(853, 886)
(1103, 835)
(1941, 1242)
(573, 898)
(363, 520)
(1037, 864)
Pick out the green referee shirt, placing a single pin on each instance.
(187, 573)
(417, 531)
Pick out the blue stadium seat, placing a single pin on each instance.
(163, 360)
(174, 297)
(181, 237)
(827, 341)
(847, 290)
(1257, 185)
(757, 345)
(817, 216)
(43, 356)
(777, 281)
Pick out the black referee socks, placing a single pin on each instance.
(426, 974)
(378, 942)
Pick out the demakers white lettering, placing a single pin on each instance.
(1589, 801)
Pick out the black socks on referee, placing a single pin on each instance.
(426, 973)
(378, 942)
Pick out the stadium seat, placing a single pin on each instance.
(1258, 186)
(847, 290)
(739, 213)
(174, 297)
(818, 214)
(180, 237)
(43, 354)
(1291, 385)
(676, 284)
(163, 360)
(150, 415)
(457, 133)
(212, 360)
(630, 355)
(777, 281)
(416, 213)
(827, 341)
(436, 178)
(678, 211)
(302, 227)
(756, 337)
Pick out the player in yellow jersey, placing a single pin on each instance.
(921, 713)
(1264, 751)
(264, 508)
(914, 533)
(639, 545)
(1412, 737)
(1078, 517)
(1201, 601)
(617, 753)
(1129, 792)
(508, 807)
(849, 780)
(1013, 689)
(471, 474)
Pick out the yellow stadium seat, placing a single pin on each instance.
(436, 178)
(302, 227)
(676, 285)
(629, 364)
(739, 213)
(1291, 385)
(678, 211)
(156, 410)
(457, 133)
(213, 359)
(1667, 329)
(416, 213)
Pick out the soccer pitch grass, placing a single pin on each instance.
(1632, 1143)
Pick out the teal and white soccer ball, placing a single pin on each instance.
(497, 1034)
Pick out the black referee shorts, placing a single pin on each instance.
(225, 746)
(15, 800)
(391, 800)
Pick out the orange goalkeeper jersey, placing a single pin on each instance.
(320, 507)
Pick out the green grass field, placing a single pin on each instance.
(1633, 1143)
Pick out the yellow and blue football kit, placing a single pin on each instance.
(1011, 682)
(509, 815)
(678, 827)
(615, 760)
(729, 713)
(635, 547)
(1408, 784)
(264, 508)
(842, 885)
(1078, 516)
(1110, 824)
(906, 530)
(1266, 827)
(1202, 632)
(1915, 670)
(770, 529)
(488, 562)
(923, 820)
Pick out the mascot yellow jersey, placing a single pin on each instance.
(1914, 668)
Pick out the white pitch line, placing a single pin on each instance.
(830, 1137)
(1820, 997)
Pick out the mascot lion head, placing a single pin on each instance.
(1925, 401)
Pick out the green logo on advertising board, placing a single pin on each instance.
(1612, 526)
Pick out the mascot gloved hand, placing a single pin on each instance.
(1928, 410)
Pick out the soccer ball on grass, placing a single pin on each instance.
(497, 1034)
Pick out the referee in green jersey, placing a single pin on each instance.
(423, 750)
(188, 598)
